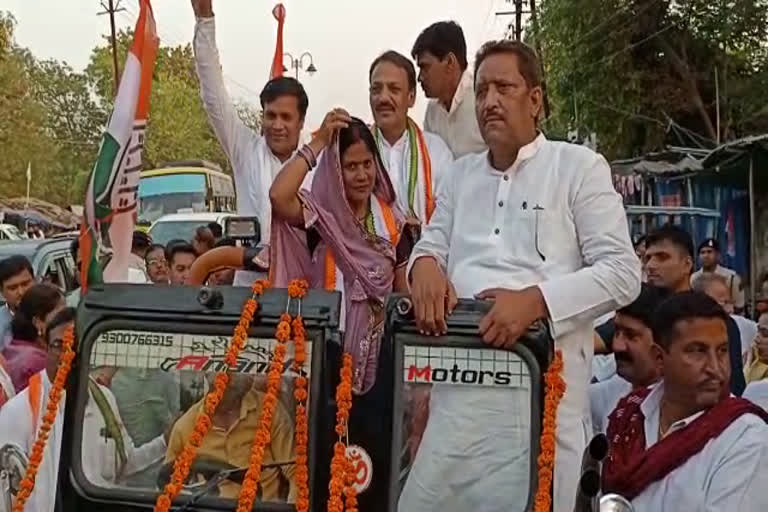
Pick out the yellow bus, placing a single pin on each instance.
(189, 186)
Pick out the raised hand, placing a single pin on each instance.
(335, 120)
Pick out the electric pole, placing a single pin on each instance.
(112, 7)
(518, 23)
(518, 31)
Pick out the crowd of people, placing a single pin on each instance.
(477, 203)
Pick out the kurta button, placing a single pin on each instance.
(496, 231)
(506, 177)
(501, 203)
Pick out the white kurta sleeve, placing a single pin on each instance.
(16, 422)
(436, 235)
(234, 136)
(137, 458)
(610, 276)
(441, 158)
(740, 479)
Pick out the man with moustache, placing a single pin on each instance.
(669, 263)
(635, 365)
(414, 160)
(686, 444)
(536, 227)
(255, 159)
(441, 54)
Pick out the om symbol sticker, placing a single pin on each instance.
(363, 467)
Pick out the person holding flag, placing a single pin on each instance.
(256, 159)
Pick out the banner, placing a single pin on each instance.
(111, 199)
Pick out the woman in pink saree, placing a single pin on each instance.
(347, 234)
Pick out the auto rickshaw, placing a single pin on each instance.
(156, 350)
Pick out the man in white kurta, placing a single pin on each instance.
(100, 458)
(414, 160)
(441, 54)
(256, 159)
(548, 228)
(685, 444)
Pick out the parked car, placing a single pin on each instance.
(51, 259)
(182, 226)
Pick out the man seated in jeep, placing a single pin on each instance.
(230, 438)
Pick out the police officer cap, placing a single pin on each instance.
(710, 243)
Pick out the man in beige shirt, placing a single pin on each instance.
(231, 436)
(441, 54)
(709, 256)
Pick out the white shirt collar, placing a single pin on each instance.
(466, 86)
(525, 153)
(651, 409)
(385, 143)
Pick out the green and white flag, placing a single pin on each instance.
(112, 196)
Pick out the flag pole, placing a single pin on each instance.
(26, 203)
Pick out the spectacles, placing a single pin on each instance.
(537, 209)
(157, 263)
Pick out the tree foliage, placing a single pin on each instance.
(53, 117)
(626, 68)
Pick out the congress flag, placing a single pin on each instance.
(112, 194)
(277, 61)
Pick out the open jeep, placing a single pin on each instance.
(157, 349)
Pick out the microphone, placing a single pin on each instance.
(589, 482)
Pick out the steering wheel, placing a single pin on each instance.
(206, 466)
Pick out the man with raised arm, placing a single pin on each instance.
(414, 160)
(536, 227)
(255, 159)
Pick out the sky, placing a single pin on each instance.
(343, 36)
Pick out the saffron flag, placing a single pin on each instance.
(277, 62)
(111, 198)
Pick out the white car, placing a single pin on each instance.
(182, 226)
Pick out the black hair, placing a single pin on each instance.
(13, 266)
(527, 61)
(64, 316)
(37, 302)
(285, 86)
(358, 131)
(216, 229)
(141, 241)
(183, 248)
(74, 247)
(643, 307)
(679, 307)
(440, 39)
(399, 60)
(675, 235)
(225, 242)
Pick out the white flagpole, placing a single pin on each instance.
(29, 180)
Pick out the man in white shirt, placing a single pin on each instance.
(537, 227)
(414, 160)
(255, 159)
(686, 443)
(108, 452)
(16, 277)
(717, 287)
(440, 52)
(636, 366)
(709, 256)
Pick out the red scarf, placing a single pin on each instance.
(630, 467)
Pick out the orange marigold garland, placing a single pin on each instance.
(296, 290)
(183, 463)
(300, 393)
(27, 484)
(341, 475)
(554, 389)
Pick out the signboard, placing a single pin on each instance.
(464, 367)
(182, 351)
